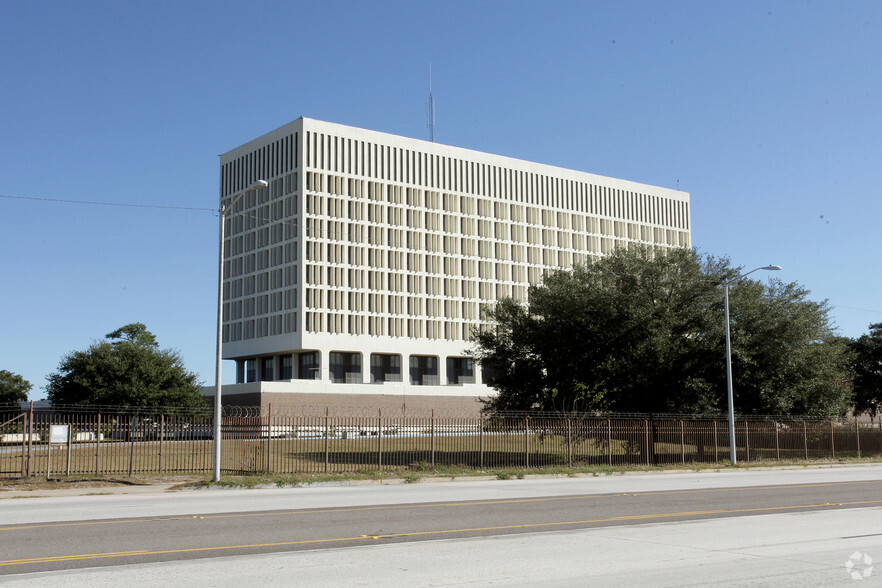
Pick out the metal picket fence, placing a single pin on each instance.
(51, 441)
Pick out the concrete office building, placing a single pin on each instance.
(357, 277)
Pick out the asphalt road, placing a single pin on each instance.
(90, 533)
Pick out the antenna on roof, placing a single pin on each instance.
(430, 109)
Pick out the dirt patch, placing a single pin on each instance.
(78, 482)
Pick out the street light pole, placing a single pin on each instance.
(733, 457)
(222, 212)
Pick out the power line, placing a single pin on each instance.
(94, 203)
(856, 308)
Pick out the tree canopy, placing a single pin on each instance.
(643, 330)
(128, 370)
(868, 371)
(13, 388)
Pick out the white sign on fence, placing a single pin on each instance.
(59, 433)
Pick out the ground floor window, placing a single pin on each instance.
(424, 370)
(308, 365)
(460, 370)
(345, 367)
(267, 365)
(487, 375)
(385, 367)
(286, 367)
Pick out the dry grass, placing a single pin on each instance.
(407, 476)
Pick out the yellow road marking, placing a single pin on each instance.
(53, 558)
(652, 516)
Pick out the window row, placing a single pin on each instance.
(259, 283)
(463, 257)
(276, 233)
(276, 302)
(465, 235)
(422, 208)
(281, 212)
(318, 299)
(388, 326)
(332, 153)
(267, 326)
(346, 368)
(260, 260)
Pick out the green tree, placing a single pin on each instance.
(867, 369)
(643, 330)
(129, 370)
(13, 388)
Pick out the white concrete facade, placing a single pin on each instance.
(365, 266)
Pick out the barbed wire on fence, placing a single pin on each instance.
(538, 414)
(355, 411)
(44, 407)
(281, 411)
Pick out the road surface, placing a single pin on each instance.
(784, 527)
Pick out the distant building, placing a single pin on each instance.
(358, 276)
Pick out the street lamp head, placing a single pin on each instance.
(255, 185)
(772, 268)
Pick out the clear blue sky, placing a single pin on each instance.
(768, 113)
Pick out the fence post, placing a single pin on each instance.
(646, 442)
(609, 439)
(380, 438)
(433, 438)
(805, 439)
(857, 435)
(69, 445)
(747, 440)
(777, 444)
(98, 444)
(161, 438)
(682, 443)
(131, 444)
(526, 441)
(481, 442)
(30, 436)
(716, 446)
(269, 437)
(24, 440)
(327, 439)
(569, 444)
(832, 441)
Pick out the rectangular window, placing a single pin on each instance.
(385, 368)
(266, 369)
(345, 367)
(286, 367)
(423, 370)
(460, 370)
(308, 366)
(240, 372)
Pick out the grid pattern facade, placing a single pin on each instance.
(365, 239)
